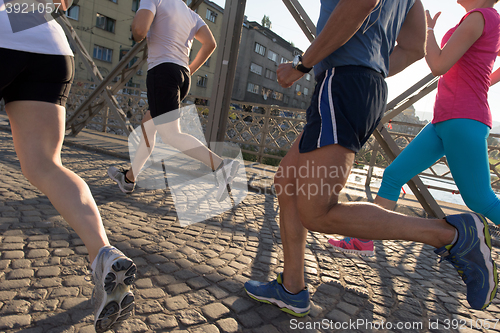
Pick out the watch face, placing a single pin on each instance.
(296, 61)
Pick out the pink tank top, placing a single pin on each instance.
(463, 90)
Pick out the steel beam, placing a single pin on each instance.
(225, 70)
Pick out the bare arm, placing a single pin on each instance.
(141, 24)
(495, 76)
(410, 45)
(441, 60)
(345, 20)
(208, 45)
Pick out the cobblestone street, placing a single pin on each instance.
(191, 279)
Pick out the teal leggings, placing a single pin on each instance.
(463, 142)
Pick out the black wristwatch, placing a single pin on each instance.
(297, 64)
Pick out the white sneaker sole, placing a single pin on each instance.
(118, 302)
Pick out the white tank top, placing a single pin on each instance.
(18, 32)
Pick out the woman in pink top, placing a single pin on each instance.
(462, 117)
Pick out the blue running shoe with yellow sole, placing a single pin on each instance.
(471, 256)
(274, 293)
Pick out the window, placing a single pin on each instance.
(105, 23)
(260, 49)
(73, 12)
(253, 88)
(303, 105)
(308, 77)
(297, 88)
(272, 56)
(306, 91)
(294, 102)
(266, 93)
(202, 81)
(211, 15)
(284, 60)
(103, 53)
(270, 74)
(254, 68)
(115, 1)
(286, 99)
(135, 5)
(278, 96)
(207, 63)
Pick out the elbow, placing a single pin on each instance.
(212, 45)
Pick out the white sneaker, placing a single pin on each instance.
(119, 177)
(224, 176)
(112, 297)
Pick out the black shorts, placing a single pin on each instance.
(26, 76)
(168, 84)
(346, 107)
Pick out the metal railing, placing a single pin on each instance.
(266, 132)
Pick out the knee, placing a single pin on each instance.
(36, 170)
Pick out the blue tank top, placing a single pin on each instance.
(373, 42)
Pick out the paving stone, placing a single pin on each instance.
(14, 321)
(151, 293)
(176, 303)
(162, 321)
(15, 307)
(190, 317)
(210, 328)
(133, 325)
(77, 303)
(20, 274)
(228, 325)
(14, 284)
(12, 254)
(48, 271)
(48, 283)
(178, 288)
(32, 294)
(38, 253)
(45, 305)
(237, 304)
(214, 311)
(148, 306)
(65, 292)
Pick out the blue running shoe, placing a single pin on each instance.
(471, 256)
(274, 293)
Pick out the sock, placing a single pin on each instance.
(456, 238)
(287, 290)
(126, 179)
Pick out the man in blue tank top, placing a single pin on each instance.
(358, 44)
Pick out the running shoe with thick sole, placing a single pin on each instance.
(118, 175)
(353, 245)
(274, 293)
(471, 256)
(224, 176)
(112, 297)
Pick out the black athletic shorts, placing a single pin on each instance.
(168, 84)
(26, 76)
(346, 107)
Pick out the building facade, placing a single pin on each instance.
(104, 27)
(261, 52)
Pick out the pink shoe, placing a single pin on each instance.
(353, 245)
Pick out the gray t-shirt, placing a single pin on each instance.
(172, 31)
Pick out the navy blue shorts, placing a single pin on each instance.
(346, 107)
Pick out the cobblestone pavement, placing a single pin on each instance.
(191, 279)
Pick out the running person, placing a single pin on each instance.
(359, 43)
(462, 117)
(170, 27)
(36, 72)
